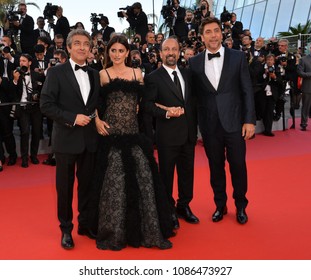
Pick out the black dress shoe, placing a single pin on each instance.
(11, 161)
(34, 160)
(67, 241)
(86, 232)
(241, 216)
(1, 167)
(268, 133)
(50, 161)
(219, 214)
(25, 163)
(187, 215)
(175, 221)
(303, 128)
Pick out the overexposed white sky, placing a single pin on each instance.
(80, 10)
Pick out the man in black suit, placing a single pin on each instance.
(106, 30)
(179, 22)
(40, 32)
(176, 126)
(138, 20)
(62, 25)
(26, 28)
(69, 97)
(226, 115)
(8, 63)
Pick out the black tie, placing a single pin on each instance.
(212, 55)
(84, 68)
(177, 83)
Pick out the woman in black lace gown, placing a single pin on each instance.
(133, 207)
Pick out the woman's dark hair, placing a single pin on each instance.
(121, 39)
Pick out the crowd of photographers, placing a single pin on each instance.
(28, 52)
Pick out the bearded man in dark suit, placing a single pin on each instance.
(226, 115)
(176, 127)
(69, 98)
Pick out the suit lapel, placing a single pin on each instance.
(167, 79)
(91, 78)
(225, 70)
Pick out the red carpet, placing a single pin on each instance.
(279, 224)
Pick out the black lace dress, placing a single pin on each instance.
(133, 206)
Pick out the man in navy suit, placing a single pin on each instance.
(69, 97)
(226, 115)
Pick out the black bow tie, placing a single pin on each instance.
(27, 74)
(212, 55)
(84, 68)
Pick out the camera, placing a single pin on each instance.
(198, 12)
(35, 95)
(225, 15)
(129, 11)
(12, 15)
(50, 11)
(271, 46)
(21, 70)
(5, 49)
(283, 59)
(136, 40)
(167, 12)
(53, 61)
(135, 63)
(271, 69)
(95, 19)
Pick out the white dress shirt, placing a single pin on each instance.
(83, 81)
(214, 66)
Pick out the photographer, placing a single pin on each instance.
(148, 46)
(202, 12)
(286, 61)
(98, 50)
(189, 22)
(106, 30)
(179, 14)
(272, 88)
(26, 87)
(8, 63)
(40, 32)
(137, 19)
(135, 42)
(185, 55)
(25, 28)
(62, 25)
(235, 26)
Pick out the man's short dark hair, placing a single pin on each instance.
(104, 19)
(136, 5)
(208, 20)
(28, 56)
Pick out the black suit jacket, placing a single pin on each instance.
(106, 33)
(160, 88)
(27, 38)
(179, 26)
(61, 101)
(232, 102)
(37, 34)
(139, 23)
(62, 26)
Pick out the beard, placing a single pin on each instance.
(171, 60)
